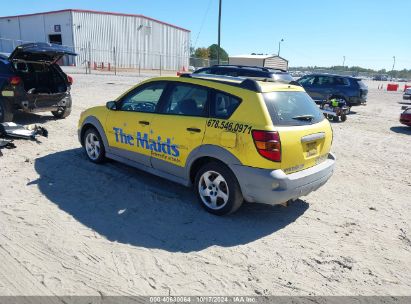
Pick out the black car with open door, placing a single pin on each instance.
(32, 81)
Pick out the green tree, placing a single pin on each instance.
(213, 49)
(202, 53)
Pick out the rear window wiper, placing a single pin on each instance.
(304, 117)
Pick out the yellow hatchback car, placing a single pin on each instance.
(234, 139)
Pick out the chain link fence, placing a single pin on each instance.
(113, 61)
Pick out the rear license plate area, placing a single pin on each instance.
(311, 149)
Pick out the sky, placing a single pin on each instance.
(315, 32)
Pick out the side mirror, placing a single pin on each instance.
(111, 105)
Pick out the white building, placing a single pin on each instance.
(266, 61)
(125, 40)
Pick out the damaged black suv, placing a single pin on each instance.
(32, 81)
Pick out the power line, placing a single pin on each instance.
(202, 23)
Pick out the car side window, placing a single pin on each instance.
(341, 81)
(204, 71)
(223, 105)
(143, 99)
(325, 80)
(307, 80)
(187, 100)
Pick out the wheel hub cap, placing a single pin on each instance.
(92, 146)
(213, 190)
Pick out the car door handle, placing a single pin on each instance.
(194, 130)
(143, 122)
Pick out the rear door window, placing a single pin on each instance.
(186, 99)
(341, 81)
(324, 81)
(292, 108)
(223, 105)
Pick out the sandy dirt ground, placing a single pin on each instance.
(69, 227)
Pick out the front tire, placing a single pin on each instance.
(6, 111)
(217, 189)
(94, 146)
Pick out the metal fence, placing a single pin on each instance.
(91, 59)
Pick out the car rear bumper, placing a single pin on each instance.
(357, 101)
(275, 187)
(45, 102)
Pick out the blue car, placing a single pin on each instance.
(323, 87)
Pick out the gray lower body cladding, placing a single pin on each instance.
(275, 187)
(257, 185)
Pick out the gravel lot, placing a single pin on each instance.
(69, 227)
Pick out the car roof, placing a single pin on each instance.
(256, 85)
(332, 75)
(247, 67)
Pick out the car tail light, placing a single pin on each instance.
(15, 80)
(268, 144)
(70, 80)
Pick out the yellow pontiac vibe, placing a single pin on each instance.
(233, 139)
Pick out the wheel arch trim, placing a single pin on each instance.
(94, 122)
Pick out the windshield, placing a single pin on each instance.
(292, 108)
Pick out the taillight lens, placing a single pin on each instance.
(15, 80)
(268, 144)
(70, 80)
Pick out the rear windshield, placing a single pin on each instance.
(362, 84)
(292, 108)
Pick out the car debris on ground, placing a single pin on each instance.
(10, 130)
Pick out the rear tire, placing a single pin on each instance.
(62, 113)
(343, 117)
(6, 111)
(217, 189)
(336, 118)
(94, 146)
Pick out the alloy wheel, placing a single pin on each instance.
(92, 146)
(213, 190)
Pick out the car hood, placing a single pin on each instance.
(40, 52)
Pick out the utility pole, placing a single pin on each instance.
(393, 65)
(343, 61)
(219, 32)
(279, 46)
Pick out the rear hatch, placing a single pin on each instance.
(304, 133)
(40, 52)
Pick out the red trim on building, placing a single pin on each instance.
(98, 12)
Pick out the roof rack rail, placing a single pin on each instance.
(240, 82)
(265, 69)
